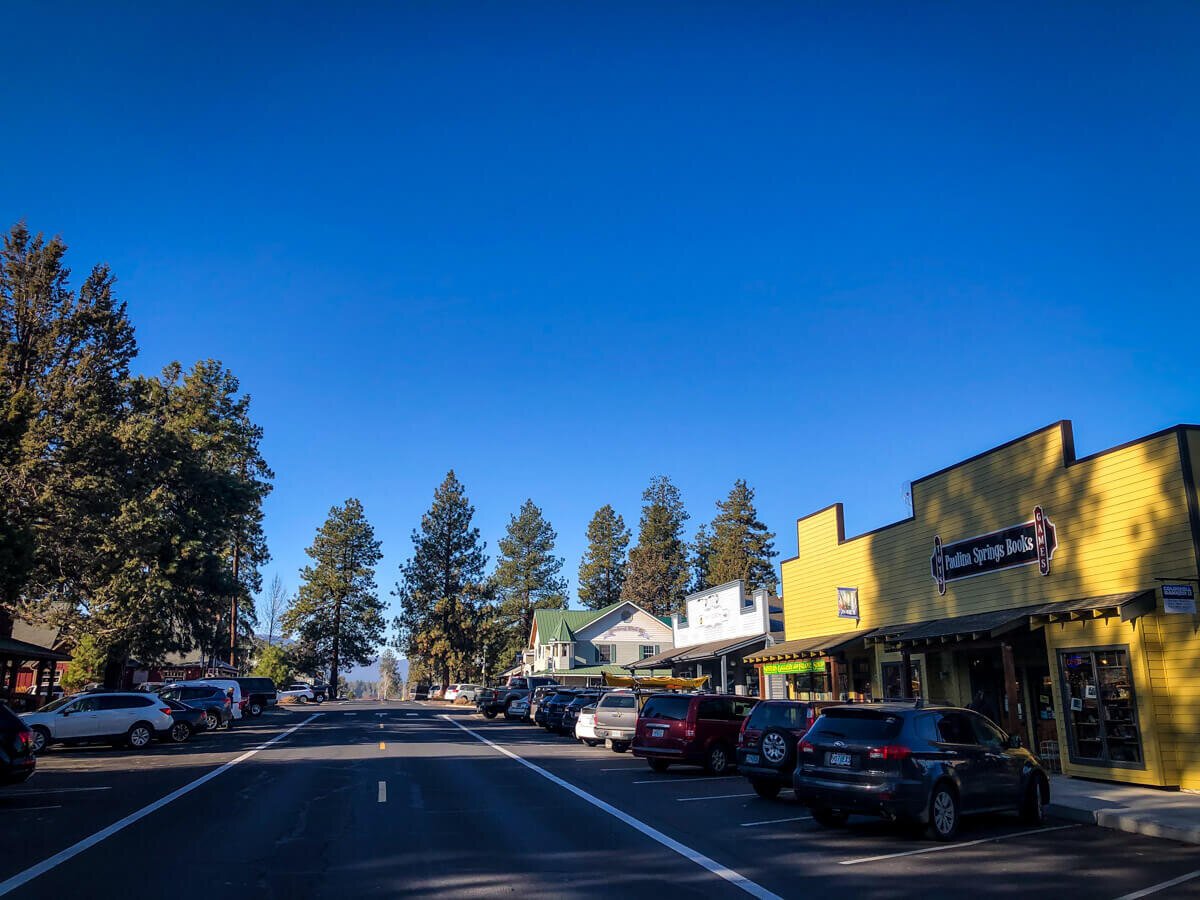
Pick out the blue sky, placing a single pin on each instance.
(561, 248)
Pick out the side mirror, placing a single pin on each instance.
(1014, 741)
(65, 712)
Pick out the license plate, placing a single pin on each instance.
(657, 732)
(839, 759)
(752, 758)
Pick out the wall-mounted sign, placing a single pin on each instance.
(847, 603)
(1018, 545)
(794, 667)
(1179, 598)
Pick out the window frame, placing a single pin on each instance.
(1065, 711)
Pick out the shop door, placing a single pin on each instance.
(987, 684)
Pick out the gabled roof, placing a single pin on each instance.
(562, 631)
(553, 624)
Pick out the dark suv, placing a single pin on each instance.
(570, 713)
(17, 761)
(218, 710)
(690, 729)
(554, 708)
(259, 694)
(766, 745)
(913, 763)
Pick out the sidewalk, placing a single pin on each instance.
(1174, 815)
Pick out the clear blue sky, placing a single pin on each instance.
(561, 248)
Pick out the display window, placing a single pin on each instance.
(813, 684)
(1099, 707)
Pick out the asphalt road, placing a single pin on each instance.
(407, 800)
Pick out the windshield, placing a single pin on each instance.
(57, 704)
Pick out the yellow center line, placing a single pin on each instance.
(382, 745)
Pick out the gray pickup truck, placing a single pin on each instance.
(616, 719)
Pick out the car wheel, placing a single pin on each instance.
(1033, 807)
(212, 721)
(943, 813)
(659, 765)
(768, 790)
(180, 732)
(591, 743)
(41, 739)
(139, 736)
(717, 760)
(830, 818)
(489, 714)
(620, 746)
(320, 698)
(255, 709)
(302, 699)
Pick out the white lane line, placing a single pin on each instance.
(684, 780)
(40, 791)
(383, 792)
(23, 878)
(718, 797)
(414, 715)
(958, 846)
(21, 809)
(737, 880)
(775, 821)
(1155, 888)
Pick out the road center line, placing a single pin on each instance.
(23, 878)
(737, 880)
(717, 797)
(383, 792)
(961, 844)
(775, 821)
(683, 780)
(1155, 888)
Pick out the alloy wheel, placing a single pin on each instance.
(944, 812)
(180, 732)
(211, 722)
(717, 760)
(773, 747)
(38, 743)
(139, 736)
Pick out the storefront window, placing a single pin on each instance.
(893, 677)
(812, 684)
(1099, 707)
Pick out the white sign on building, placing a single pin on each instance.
(724, 612)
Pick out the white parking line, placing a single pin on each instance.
(775, 821)
(683, 780)
(622, 769)
(958, 846)
(21, 809)
(23, 878)
(1155, 888)
(718, 797)
(40, 791)
(383, 792)
(736, 879)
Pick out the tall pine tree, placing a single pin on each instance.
(701, 551)
(602, 569)
(337, 612)
(741, 547)
(527, 575)
(657, 574)
(442, 588)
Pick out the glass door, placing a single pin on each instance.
(1099, 706)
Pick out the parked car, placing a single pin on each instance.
(130, 719)
(487, 702)
(616, 718)
(467, 692)
(17, 758)
(208, 698)
(554, 708)
(451, 693)
(225, 685)
(259, 693)
(691, 729)
(766, 744)
(585, 726)
(538, 696)
(912, 763)
(301, 692)
(518, 709)
(570, 713)
(185, 721)
(150, 687)
(522, 686)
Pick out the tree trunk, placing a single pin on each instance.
(233, 623)
(337, 635)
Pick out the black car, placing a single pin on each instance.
(17, 761)
(917, 764)
(570, 713)
(259, 693)
(185, 721)
(419, 692)
(212, 702)
(554, 709)
(766, 745)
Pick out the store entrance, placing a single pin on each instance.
(987, 684)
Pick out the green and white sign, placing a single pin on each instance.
(794, 667)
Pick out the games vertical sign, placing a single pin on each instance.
(1018, 545)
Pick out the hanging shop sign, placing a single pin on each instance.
(847, 603)
(1018, 545)
(794, 667)
(1179, 598)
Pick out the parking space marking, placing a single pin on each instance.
(383, 792)
(735, 878)
(1155, 888)
(684, 780)
(40, 791)
(23, 878)
(717, 797)
(622, 769)
(775, 821)
(21, 809)
(957, 846)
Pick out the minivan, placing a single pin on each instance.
(690, 729)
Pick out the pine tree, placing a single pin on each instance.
(741, 545)
(337, 612)
(442, 584)
(387, 674)
(657, 574)
(527, 574)
(701, 551)
(602, 569)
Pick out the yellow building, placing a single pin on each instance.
(1055, 593)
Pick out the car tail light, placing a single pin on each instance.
(25, 739)
(228, 702)
(741, 741)
(892, 751)
(806, 747)
(241, 704)
(689, 730)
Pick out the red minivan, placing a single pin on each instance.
(691, 730)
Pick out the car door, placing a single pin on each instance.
(1001, 778)
(961, 752)
(77, 720)
(115, 715)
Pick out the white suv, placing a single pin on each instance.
(123, 719)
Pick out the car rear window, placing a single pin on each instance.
(779, 715)
(856, 725)
(618, 701)
(674, 708)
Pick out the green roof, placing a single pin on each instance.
(562, 631)
(552, 622)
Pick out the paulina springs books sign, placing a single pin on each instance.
(1018, 545)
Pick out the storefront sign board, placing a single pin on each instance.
(794, 667)
(1018, 545)
(1179, 598)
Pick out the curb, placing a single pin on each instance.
(1130, 822)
